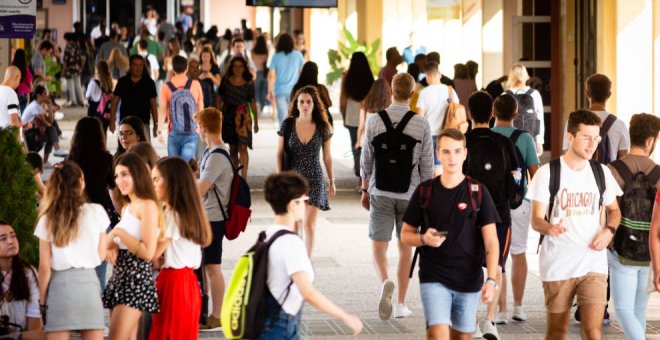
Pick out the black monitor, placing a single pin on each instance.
(293, 3)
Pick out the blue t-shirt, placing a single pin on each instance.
(287, 68)
(525, 144)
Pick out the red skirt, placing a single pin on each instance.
(180, 305)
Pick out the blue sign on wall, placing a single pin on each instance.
(18, 18)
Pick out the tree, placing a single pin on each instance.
(18, 200)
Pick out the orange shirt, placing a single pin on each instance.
(179, 82)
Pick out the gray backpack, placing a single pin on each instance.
(182, 108)
(527, 119)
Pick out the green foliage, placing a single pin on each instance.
(18, 200)
(339, 58)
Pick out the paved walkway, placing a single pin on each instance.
(342, 257)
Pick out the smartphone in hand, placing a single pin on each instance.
(441, 233)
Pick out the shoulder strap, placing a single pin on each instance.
(451, 93)
(188, 84)
(171, 86)
(510, 92)
(386, 120)
(624, 171)
(226, 154)
(555, 181)
(404, 121)
(599, 174)
(476, 194)
(654, 175)
(514, 136)
(607, 124)
(530, 91)
(277, 235)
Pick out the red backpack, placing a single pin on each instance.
(238, 213)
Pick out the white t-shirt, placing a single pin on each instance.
(81, 253)
(618, 135)
(181, 252)
(568, 255)
(538, 108)
(434, 100)
(33, 110)
(19, 311)
(287, 256)
(94, 91)
(8, 105)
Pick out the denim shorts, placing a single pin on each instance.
(279, 324)
(443, 306)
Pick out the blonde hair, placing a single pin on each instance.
(402, 86)
(118, 60)
(518, 76)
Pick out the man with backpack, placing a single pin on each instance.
(574, 190)
(216, 174)
(180, 98)
(457, 218)
(629, 255)
(237, 50)
(505, 110)
(396, 156)
(614, 134)
(491, 160)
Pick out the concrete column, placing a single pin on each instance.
(492, 41)
(607, 42)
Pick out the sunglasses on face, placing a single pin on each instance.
(126, 133)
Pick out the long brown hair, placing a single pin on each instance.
(103, 76)
(184, 200)
(319, 116)
(379, 97)
(63, 200)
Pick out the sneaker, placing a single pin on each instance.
(501, 318)
(60, 153)
(477, 332)
(606, 319)
(385, 300)
(47, 165)
(401, 311)
(490, 331)
(519, 314)
(212, 324)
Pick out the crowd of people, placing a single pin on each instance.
(449, 169)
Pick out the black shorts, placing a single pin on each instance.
(213, 253)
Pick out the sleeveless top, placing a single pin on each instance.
(131, 224)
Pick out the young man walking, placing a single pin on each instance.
(492, 160)
(180, 98)
(573, 255)
(386, 207)
(457, 232)
(505, 110)
(137, 93)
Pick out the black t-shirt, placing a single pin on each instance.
(136, 97)
(503, 210)
(458, 261)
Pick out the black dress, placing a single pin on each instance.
(307, 162)
(207, 88)
(236, 117)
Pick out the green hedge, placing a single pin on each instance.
(18, 200)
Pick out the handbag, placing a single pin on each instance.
(456, 115)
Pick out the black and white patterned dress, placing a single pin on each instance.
(307, 161)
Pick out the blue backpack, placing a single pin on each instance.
(182, 108)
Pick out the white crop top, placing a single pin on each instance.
(131, 224)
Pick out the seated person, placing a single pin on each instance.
(42, 128)
(37, 165)
(19, 294)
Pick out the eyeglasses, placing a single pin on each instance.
(126, 133)
(587, 139)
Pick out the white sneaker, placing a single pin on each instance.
(401, 311)
(501, 318)
(490, 331)
(60, 153)
(385, 300)
(518, 314)
(477, 332)
(47, 165)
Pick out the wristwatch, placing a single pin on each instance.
(493, 283)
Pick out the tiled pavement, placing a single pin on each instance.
(342, 257)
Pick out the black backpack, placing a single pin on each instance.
(488, 162)
(527, 119)
(555, 181)
(602, 153)
(631, 240)
(393, 151)
(518, 189)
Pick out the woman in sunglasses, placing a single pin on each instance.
(131, 131)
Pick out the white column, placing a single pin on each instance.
(107, 13)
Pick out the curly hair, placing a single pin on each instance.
(247, 76)
(319, 115)
(642, 127)
(63, 200)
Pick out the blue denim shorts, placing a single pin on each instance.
(279, 324)
(443, 306)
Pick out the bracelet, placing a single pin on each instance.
(492, 282)
(421, 239)
(137, 248)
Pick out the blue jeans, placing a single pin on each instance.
(184, 146)
(352, 132)
(443, 306)
(261, 89)
(436, 161)
(628, 288)
(100, 273)
(282, 102)
(279, 324)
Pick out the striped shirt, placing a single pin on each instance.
(418, 128)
